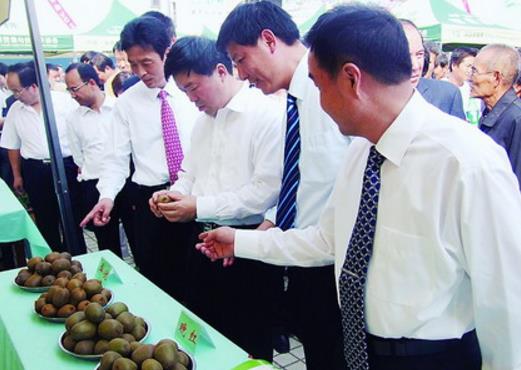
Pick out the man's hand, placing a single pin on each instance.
(100, 213)
(18, 184)
(218, 243)
(161, 196)
(266, 224)
(182, 209)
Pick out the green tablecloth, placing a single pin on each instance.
(16, 224)
(28, 342)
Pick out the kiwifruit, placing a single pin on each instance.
(166, 354)
(82, 305)
(138, 332)
(84, 347)
(66, 310)
(92, 287)
(116, 308)
(108, 359)
(101, 346)
(60, 264)
(83, 330)
(124, 364)
(167, 340)
(163, 198)
(110, 329)
(51, 257)
(60, 297)
(128, 321)
(74, 319)
(80, 276)
(48, 310)
(68, 342)
(128, 337)
(120, 346)
(143, 352)
(134, 345)
(99, 298)
(183, 358)
(66, 255)
(61, 282)
(75, 269)
(94, 313)
(48, 280)
(43, 268)
(39, 303)
(151, 364)
(31, 264)
(22, 276)
(77, 295)
(33, 281)
(64, 274)
(107, 293)
(77, 263)
(74, 283)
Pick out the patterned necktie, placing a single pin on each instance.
(287, 204)
(173, 150)
(354, 272)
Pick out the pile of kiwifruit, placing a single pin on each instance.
(96, 330)
(43, 272)
(66, 297)
(165, 355)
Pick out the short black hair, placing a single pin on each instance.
(459, 54)
(3, 69)
(117, 47)
(118, 82)
(87, 56)
(101, 61)
(26, 73)
(86, 72)
(367, 36)
(442, 60)
(195, 54)
(164, 19)
(51, 67)
(147, 32)
(245, 23)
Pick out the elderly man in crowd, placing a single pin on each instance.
(494, 72)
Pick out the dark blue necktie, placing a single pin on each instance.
(354, 272)
(287, 204)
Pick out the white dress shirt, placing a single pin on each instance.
(136, 130)
(24, 128)
(233, 166)
(87, 131)
(447, 247)
(322, 149)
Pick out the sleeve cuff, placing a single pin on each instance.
(246, 244)
(271, 215)
(206, 208)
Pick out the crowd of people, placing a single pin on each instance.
(339, 178)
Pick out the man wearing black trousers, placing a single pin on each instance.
(88, 128)
(151, 124)
(24, 137)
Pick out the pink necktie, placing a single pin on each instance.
(173, 150)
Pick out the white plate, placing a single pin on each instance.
(62, 319)
(36, 289)
(94, 357)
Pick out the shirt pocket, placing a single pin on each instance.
(402, 268)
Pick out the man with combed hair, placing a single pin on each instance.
(423, 222)
(494, 72)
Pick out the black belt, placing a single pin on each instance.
(412, 347)
(46, 161)
(207, 226)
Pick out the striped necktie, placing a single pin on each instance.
(287, 204)
(354, 272)
(173, 149)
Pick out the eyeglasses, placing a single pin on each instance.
(474, 71)
(74, 90)
(17, 93)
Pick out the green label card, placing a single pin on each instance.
(191, 334)
(254, 364)
(106, 271)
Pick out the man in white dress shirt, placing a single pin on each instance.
(88, 128)
(264, 43)
(230, 176)
(441, 246)
(25, 138)
(137, 131)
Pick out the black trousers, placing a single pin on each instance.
(161, 246)
(461, 354)
(314, 316)
(126, 211)
(235, 300)
(108, 235)
(38, 183)
(6, 173)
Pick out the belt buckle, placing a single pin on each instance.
(46, 161)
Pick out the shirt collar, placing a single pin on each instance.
(239, 101)
(300, 79)
(153, 93)
(396, 139)
(502, 104)
(108, 104)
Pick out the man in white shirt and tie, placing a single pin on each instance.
(152, 122)
(230, 176)
(25, 138)
(423, 222)
(88, 128)
(264, 43)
